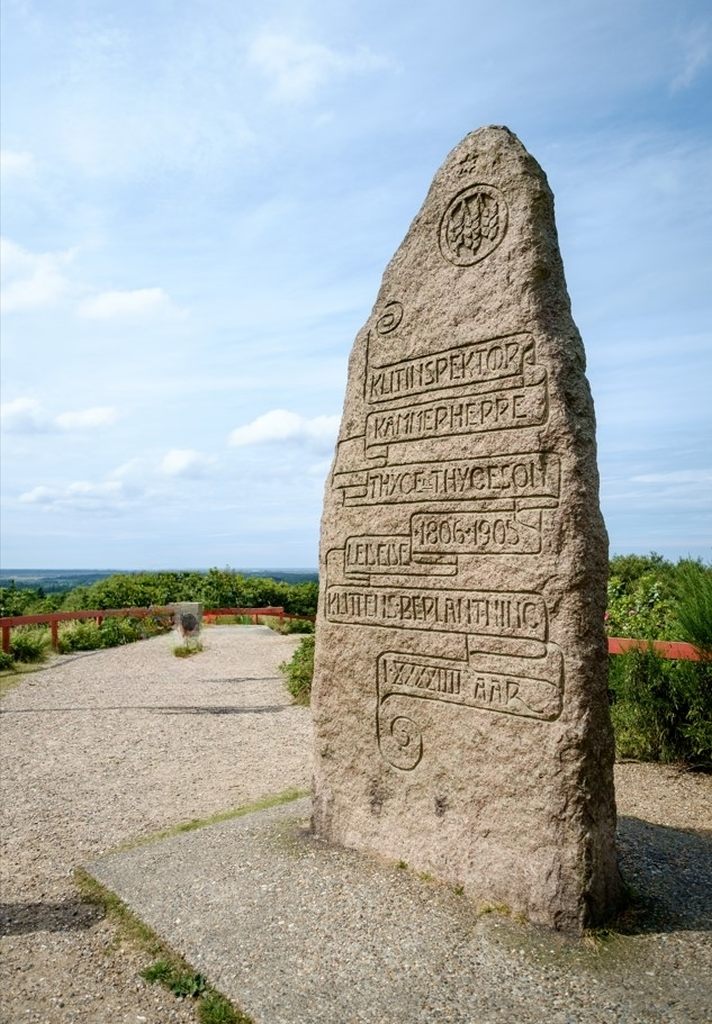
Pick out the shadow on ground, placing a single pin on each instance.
(169, 709)
(267, 709)
(669, 871)
(24, 918)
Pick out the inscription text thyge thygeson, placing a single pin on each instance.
(459, 700)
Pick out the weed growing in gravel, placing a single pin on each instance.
(188, 648)
(182, 984)
(215, 1009)
(168, 967)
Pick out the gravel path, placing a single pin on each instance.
(109, 745)
(103, 747)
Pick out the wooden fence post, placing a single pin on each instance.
(54, 629)
(6, 639)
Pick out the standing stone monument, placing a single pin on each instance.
(460, 700)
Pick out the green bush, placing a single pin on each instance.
(88, 635)
(84, 635)
(7, 662)
(661, 709)
(217, 588)
(30, 643)
(693, 610)
(298, 672)
(289, 626)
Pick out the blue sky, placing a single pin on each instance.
(199, 199)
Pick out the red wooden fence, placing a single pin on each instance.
(52, 619)
(616, 645)
(663, 648)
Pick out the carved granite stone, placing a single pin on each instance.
(460, 702)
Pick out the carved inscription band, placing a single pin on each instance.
(455, 367)
(494, 410)
(529, 475)
(531, 687)
(489, 613)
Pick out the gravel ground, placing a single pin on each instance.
(103, 747)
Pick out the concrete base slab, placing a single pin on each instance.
(296, 932)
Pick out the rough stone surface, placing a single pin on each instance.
(187, 620)
(460, 709)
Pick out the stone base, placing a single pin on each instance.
(297, 932)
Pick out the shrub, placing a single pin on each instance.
(693, 610)
(661, 709)
(289, 626)
(84, 635)
(299, 671)
(114, 632)
(7, 662)
(88, 635)
(30, 643)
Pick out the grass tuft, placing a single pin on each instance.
(214, 1008)
(187, 649)
(183, 984)
(168, 967)
(285, 797)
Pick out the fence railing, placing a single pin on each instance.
(52, 619)
(212, 614)
(616, 644)
(663, 648)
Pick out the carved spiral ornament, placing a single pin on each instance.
(401, 742)
(390, 317)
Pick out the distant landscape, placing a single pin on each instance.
(57, 581)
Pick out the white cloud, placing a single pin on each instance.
(16, 164)
(23, 416)
(84, 419)
(31, 280)
(296, 68)
(139, 302)
(27, 416)
(129, 469)
(185, 462)
(280, 425)
(697, 52)
(81, 495)
(678, 476)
